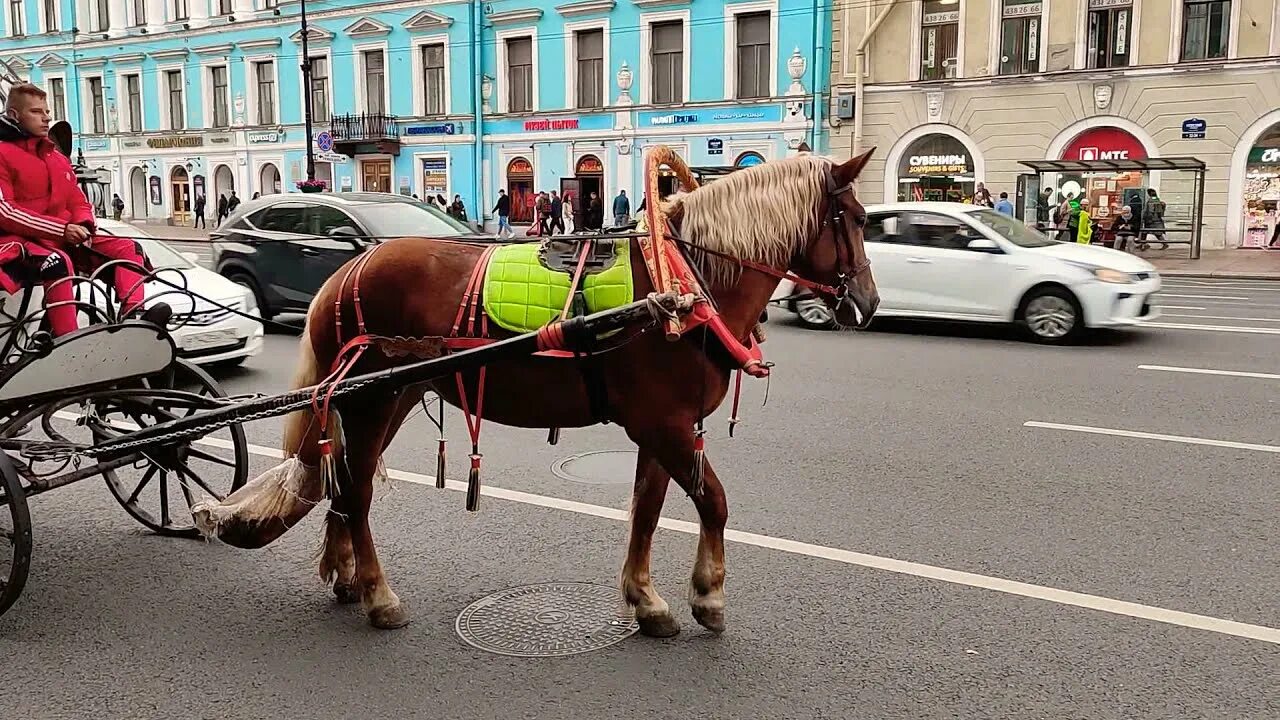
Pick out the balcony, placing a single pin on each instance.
(363, 133)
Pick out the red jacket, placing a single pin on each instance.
(39, 196)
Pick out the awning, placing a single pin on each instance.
(1085, 166)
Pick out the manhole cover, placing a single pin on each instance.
(598, 467)
(547, 620)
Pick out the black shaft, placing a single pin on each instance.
(580, 335)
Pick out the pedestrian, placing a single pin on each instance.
(1065, 211)
(621, 209)
(1125, 228)
(1153, 217)
(1043, 206)
(222, 207)
(557, 213)
(595, 213)
(117, 206)
(457, 209)
(1003, 206)
(199, 208)
(1084, 224)
(503, 210)
(233, 202)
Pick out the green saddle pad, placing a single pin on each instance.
(521, 295)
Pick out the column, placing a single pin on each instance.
(157, 15)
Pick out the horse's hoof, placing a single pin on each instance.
(345, 594)
(710, 618)
(659, 626)
(389, 618)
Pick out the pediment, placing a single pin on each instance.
(427, 20)
(18, 63)
(314, 34)
(367, 27)
(52, 60)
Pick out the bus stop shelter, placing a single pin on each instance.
(1184, 166)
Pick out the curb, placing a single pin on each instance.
(1218, 275)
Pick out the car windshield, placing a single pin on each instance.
(1011, 228)
(393, 219)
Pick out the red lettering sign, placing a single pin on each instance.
(564, 124)
(1104, 143)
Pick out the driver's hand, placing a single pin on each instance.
(75, 234)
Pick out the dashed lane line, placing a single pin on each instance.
(1184, 439)
(1208, 371)
(1213, 328)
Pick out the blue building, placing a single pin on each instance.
(176, 98)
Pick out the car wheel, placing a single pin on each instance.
(814, 314)
(1052, 316)
(246, 281)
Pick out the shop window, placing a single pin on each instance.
(1262, 193)
(667, 62)
(754, 56)
(265, 75)
(1109, 28)
(1020, 37)
(433, 81)
(520, 74)
(590, 77)
(1206, 25)
(221, 113)
(374, 82)
(939, 39)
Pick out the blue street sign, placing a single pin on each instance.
(1193, 129)
(324, 141)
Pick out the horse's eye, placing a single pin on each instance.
(860, 219)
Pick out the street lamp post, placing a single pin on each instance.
(306, 90)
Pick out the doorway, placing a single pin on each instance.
(137, 193)
(377, 175)
(180, 189)
(589, 172)
(520, 189)
(269, 179)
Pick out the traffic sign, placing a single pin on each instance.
(324, 141)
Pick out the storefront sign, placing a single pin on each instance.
(739, 115)
(1104, 4)
(1104, 143)
(220, 138)
(1193, 129)
(197, 182)
(673, 119)
(93, 144)
(941, 18)
(441, 129)
(589, 165)
(561, 124)
(435, 176)
(520, 166)
(1264, 156)
(715, 146)
(935, 155)
(132, 143)
(261, 137)
(175, 141)
(153, 183)
(1025, 9)
(937, 164)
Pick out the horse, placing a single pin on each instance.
(745, 232)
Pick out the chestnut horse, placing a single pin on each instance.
(798, 214)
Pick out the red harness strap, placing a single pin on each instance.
(470, 307)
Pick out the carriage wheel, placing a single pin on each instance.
(160, 494)
(15, 535)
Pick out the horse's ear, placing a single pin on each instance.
(849, 170)
(61, 134)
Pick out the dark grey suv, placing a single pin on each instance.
(283, 247)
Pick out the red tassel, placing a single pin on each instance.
(737, 395)
(473, 484)
(440, 463)
(699, 458)
(328, 468)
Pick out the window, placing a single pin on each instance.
(133, 91)
(181, 9)
(1206, 25)
(940, 231)
(1109, 33)
(320, 89)
(177, 108)
(754, 58)
(224, 7)
(667, 62)
(590, 71)
(58, 98)
(1020, 37)
(323, 219)
(264, 74)
(16, 16)
(374, 76)
(939, 40)
(97, 105)
(139, 12)
(519, 74)
(218, 78)
(50, 15)
(433, 82)
(102, 19)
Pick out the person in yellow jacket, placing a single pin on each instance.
(1084, 231)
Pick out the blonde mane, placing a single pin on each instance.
(764, 214)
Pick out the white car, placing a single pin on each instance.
(949, 261)
(204, 334)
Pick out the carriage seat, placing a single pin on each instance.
(526, 285)
(561, 254)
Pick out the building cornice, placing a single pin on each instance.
(222, 49)
(516, 17)
(650, 4)
(175, 54)
(127, 59)
(586, 7)
(259, 44)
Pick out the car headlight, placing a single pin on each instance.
(1112, 276)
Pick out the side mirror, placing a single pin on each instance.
(983, 245)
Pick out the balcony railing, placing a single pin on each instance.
(365, 128)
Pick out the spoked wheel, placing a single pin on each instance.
(160, 493)
(15, 535)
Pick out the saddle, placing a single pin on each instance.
(564, 254)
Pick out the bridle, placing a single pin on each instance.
(847, 270)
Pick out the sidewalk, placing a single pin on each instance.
(1242, 264)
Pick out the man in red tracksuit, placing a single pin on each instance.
(47, 225)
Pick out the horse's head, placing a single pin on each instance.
(836, 258)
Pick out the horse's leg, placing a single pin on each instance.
(650, 491)
(675, 450)
(365, 428)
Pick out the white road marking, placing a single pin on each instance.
(1163, 294)
(1221, 317)
(1213, 328)
(1180, 307)
(1185, 439)
(1259, 285)
(848, 557)
(1207, 371)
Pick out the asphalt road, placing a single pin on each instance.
(932, 521)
